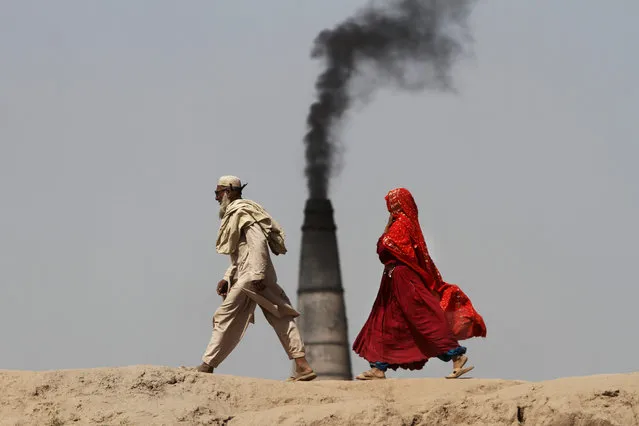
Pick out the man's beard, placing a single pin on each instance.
(224, 205)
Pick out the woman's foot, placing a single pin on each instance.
(372, 374)
(458, 367)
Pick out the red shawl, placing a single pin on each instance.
(405, 240)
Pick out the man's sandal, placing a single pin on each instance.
(204, 368)
(306, 377)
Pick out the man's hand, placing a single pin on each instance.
(259, 285)
(223, 288)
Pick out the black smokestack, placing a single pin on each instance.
(411, 44)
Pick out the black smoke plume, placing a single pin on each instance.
(411, 44)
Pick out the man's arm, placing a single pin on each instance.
(223, 286)
(230, 273)
(258, 255)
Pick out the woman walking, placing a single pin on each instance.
(416, 315)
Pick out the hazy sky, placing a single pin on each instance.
(116, 118)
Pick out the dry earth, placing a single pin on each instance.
(151, 395)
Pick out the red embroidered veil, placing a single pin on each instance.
(405, 240)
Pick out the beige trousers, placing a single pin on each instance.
(231, 320)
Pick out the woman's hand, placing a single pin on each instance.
(390, 222)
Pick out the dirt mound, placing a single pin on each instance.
(150, 395)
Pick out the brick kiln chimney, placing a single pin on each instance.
(323, 323)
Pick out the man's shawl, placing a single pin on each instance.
(242, 213)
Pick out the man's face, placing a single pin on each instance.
(224, 196)
(224, 204)
(220, 191)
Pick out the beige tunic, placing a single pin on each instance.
(251, 262)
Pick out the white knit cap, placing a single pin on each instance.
(232, 181)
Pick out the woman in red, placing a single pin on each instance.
(416, 315)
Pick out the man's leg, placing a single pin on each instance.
(229, 325)
(289, 335)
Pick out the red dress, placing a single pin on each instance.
(416, 315)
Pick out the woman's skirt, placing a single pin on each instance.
(407, 324)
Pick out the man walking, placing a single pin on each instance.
(246, 234)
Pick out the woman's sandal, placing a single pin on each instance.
(458, 367)
(369, 375)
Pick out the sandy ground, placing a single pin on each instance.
(151, 395)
